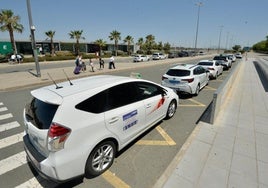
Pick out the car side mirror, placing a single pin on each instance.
(163, 92)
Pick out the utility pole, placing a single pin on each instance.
(32, 28)
(197, 24)
(219, 45)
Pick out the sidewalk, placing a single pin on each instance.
(16, 80)
(233, 152)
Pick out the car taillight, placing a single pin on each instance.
(211, 69)
(57, 135)
(189, 80)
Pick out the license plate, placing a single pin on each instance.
(174, 81)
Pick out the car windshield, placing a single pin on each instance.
(178, 72)
(206, 63)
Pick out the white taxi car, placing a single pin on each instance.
(75, 128)
(141, 58)
(213, 66)
(186, 78)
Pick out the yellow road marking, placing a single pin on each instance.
(114, 180)
(168, 140)
(152, 142)
(209, 88)
(193, 105)
(165, 136)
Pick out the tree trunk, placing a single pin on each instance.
(14, 47)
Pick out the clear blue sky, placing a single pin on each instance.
(243, 22)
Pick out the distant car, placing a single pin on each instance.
(232, 57)
(183, 54)
(173, 55)
(223, 64)
(224, 60)
(141, 58)
(213, 66)
(186, 78)
(158, 56)
(76, 128)
(201, 53)
(238, 55)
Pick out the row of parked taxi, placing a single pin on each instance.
(78, 127)
(191, 78)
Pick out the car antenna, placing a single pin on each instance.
(57, 87)
(67, 77)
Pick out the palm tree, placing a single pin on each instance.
(77, 35)
(150, 41)
(115, 35)
(101, 43)
(51, 34)
(129, 40)
(9, 22)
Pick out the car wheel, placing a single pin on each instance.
(171, 109)
(216, 75)
(197, 90)
(100, 159)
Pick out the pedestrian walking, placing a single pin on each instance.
(101, 63)
(91, 64)
(111, 62)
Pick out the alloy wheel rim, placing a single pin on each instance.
(102, 158)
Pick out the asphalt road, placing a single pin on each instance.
(139, 165)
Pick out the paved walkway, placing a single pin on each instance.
(233, 152)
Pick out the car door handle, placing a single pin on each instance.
(148, 106)
(113, 120)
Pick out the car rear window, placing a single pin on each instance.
(205, 63)
(219, 58)
(178, 72)
(40, 113)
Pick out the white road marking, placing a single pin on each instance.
(2, 109)
(11, 140)
(8, 126)
(6, 116)
(12, 162)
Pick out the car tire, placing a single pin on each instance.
(171, 109)
(216, 76)
(100, 159)
(197, 90)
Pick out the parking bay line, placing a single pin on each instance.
(114, 180)
(209, 88)
(167, 139)
(199, 104)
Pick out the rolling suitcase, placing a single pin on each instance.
(77, 70)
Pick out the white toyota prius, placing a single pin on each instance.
(76, 128)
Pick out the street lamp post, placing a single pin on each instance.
(219, 45)
(32, 28)
(197, 24)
